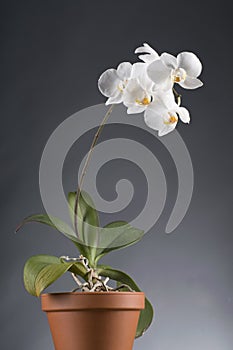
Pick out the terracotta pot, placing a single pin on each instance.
(93, 321)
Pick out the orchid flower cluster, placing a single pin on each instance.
(148, 86)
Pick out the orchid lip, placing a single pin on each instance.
(172, 119)
(144, 102)
(179, 75)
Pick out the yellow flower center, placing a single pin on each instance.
(176, 79)
(144, 102)
(179, 75)
(173, 119)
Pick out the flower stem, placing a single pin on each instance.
(87, 161)
(177, 97)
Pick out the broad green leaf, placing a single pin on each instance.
(146, 315)
(78, 269)
(50, 274)
(87, 222)
(117, 235)
(33, 266)
(57, 224)
(85, 204)
(40, 271)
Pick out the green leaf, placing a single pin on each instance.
(87, 220)
(32, 267)
(86, 209)
(54, 223)
(50, 274)
(40, 271)
(88, 225)
(117, 235)
(58, 225)
(78, 269)
(94, 241)
(146, 315)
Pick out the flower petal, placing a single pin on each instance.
(191, 83)
(183, 114)
(138, 69)
(166, 129)
(133, 109)
(169, 60)
(167, 99)
(157, 116)
(124, 70)
(115, 99)
(133, 92)
(153, 119)
(150, 54)
(147, 58)
(159, 73)
(108, 82)
(145, 48)
(139, 72)
(190, 63)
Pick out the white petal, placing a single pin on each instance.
(169, 60)
(166, 129)
(167, 85)
(140, 49)
(183, 114)
(190, 63)
(108, 82)
(138, 69)
(148, 58)
(150, 54)
(133, 91)
(124, 70)
(136, 109)
(145, 48)
(153, 119)
(159, 73)
(167, 99)
(191, 83)
(115, 99)
(146, 83)
(156, 116)
(139, 72)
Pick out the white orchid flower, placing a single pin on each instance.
(163, 113)
(149, 54)
(113, 82)
(183, 69)
(136, 97)
(138, 93)
(139, 72)
(147, 86)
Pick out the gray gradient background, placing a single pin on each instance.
(52, 53)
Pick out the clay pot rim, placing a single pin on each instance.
(92, 293)
(93, 300)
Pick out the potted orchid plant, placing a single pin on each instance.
(97, 314)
